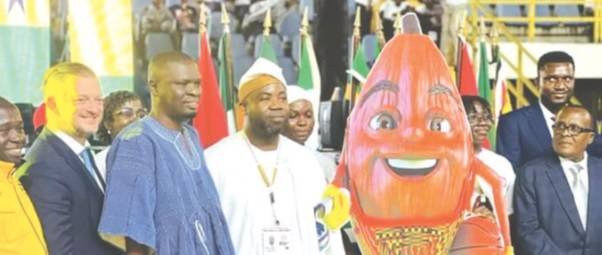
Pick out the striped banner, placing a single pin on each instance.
(24, 49)
(100, 36)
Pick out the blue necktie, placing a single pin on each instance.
(86, 155)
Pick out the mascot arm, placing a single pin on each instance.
(336, 200)
(498, 199)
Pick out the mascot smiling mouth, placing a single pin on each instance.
(411, 167)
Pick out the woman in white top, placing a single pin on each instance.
(120, 109)
(481, 120)
(300, 125)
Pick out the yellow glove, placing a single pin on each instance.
(338, 205)
(509, 250)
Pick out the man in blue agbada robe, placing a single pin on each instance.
(160, 196)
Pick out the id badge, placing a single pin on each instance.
(321, 229)
(277, 241)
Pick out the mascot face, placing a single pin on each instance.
(408, 145)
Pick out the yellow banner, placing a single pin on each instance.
(100, 34)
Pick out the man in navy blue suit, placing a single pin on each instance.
(526, 134)
(61, 176)
(558, 198)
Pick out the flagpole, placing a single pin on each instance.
(304, 23)
(230, 97)
(476, 50)
(398, 24)
(267, 22)
(494, 36)
(380, 36)
(354, 45)
(303, 30)
(461, 41)
(202, 22)
(210, 120)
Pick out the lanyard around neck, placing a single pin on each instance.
(264, 176)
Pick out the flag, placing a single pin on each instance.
(506, 104)
(210, 121)
(484, 86)
(359, 63)
(24, 49)
(467, 82)
(309, 73)
(100, 36)
(359, 70)
(226, 82)
(309, 79)
(377, 49)
(502, 104)
(267, 50)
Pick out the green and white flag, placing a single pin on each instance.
(267, 50)
(309, 80)
(309, 73)
(24, 49)
(226, 81)
(485, 87)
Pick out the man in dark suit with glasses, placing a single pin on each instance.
(558, 197)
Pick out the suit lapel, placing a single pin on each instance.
(594, 206)
(73, 161)
(539, 127)
(563, 191)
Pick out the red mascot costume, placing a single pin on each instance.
(408, 161)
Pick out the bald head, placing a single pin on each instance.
(175, 86)
(578, 109)
(159, 64)
(573, 132)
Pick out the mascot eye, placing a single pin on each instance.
(383, 121)
(439, 124)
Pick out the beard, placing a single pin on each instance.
(264, 128)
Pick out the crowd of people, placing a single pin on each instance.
(155, 189)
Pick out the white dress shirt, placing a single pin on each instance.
(77, 148)
(101, 162)
(549, 117)
(581, 191)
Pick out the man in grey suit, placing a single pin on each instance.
(558, 198)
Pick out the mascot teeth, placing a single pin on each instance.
(412, 164)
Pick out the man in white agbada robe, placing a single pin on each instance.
(269, 186)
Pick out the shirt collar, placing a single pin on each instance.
(547, 114)
(164, 132)
(6, 169)
(567, 163)
(74, 145)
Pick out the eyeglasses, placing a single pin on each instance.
(572, 129)
(556, 79)
(477, 118)
(129, 112)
